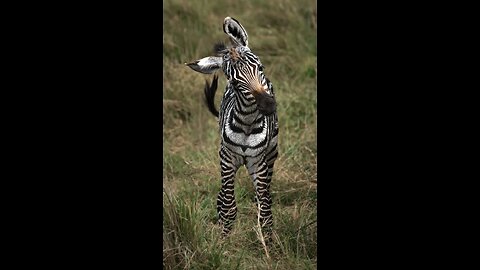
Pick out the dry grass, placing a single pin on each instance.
(283, 34)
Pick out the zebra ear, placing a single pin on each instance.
(235, 31)
(206, 65)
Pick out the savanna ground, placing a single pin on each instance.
(283, 34)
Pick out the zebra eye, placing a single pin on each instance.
(260, 68)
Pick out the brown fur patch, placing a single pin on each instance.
(234, 54)
(256, 87)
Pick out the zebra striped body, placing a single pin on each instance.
(247, 121)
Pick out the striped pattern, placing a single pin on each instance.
(247, 121)
(248, 137)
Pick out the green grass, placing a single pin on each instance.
(283, 34)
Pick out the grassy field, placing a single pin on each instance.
(283, 34)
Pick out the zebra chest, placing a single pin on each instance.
(247, 141)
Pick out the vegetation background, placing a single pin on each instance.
(283, 34)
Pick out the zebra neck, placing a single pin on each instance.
(246, 110)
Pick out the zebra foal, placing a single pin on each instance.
(247, 120)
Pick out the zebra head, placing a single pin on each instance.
(242, 68)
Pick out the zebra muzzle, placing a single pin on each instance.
(265, 103)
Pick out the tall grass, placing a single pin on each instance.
(283, 34)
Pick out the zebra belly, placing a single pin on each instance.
(245, 152)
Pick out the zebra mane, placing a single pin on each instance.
(219, 48)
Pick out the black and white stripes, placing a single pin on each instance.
(247, 121)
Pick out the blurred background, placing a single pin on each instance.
(283, 34)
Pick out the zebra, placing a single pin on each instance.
(248, 123)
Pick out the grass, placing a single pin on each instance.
(283, 34)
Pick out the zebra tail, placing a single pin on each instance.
(210, 91)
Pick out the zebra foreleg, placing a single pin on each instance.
(261, 179)
(226, 205)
